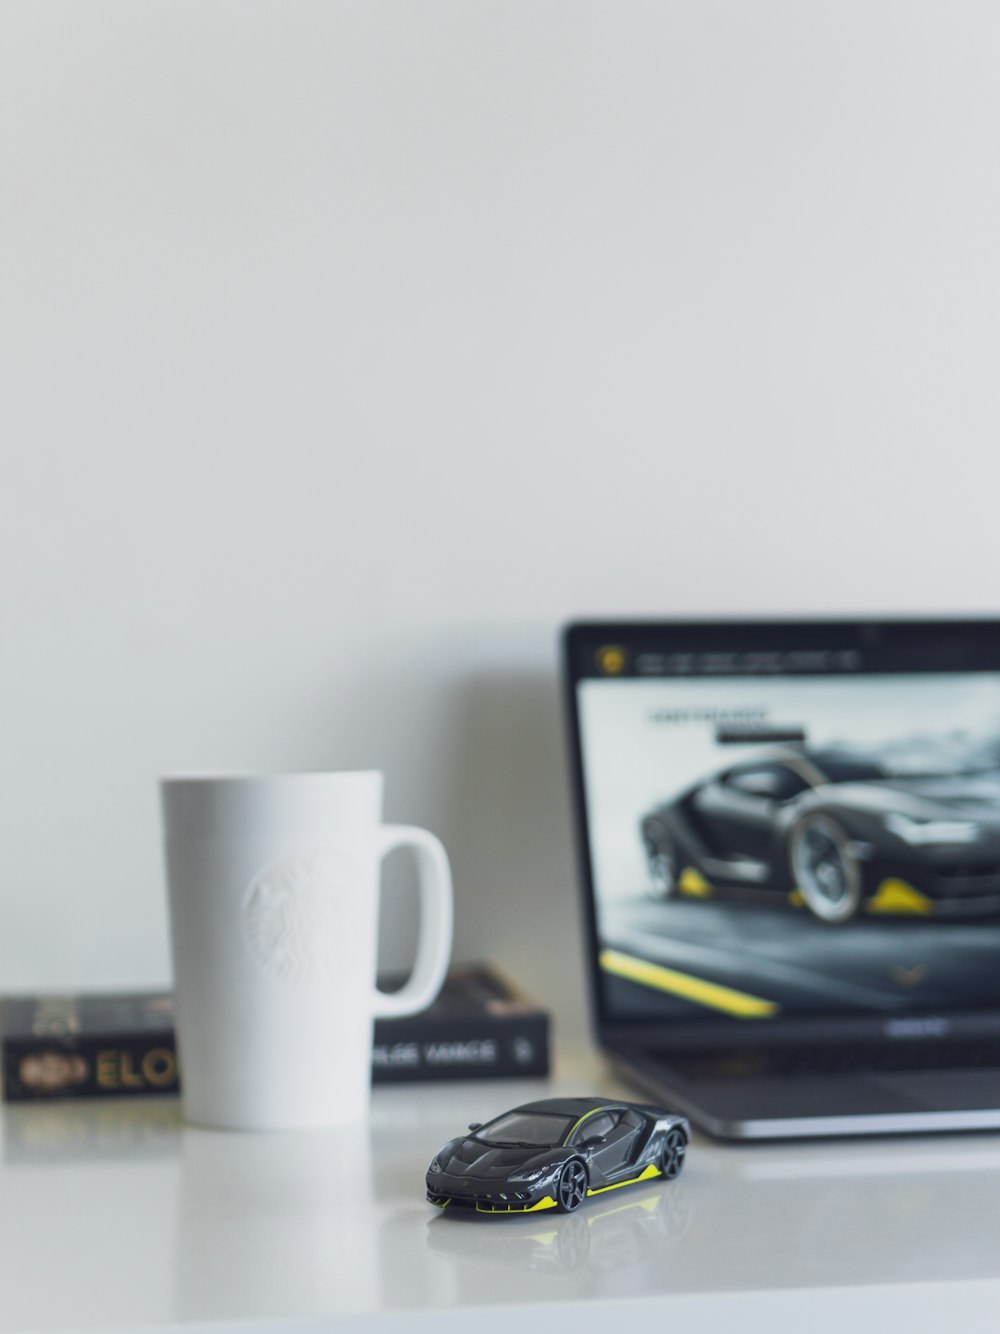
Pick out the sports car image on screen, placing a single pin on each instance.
(834, 830)
(555, 1153)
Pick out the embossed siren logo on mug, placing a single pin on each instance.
(273, 885)
(289, 917)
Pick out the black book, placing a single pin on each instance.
(88, 1046)
(112, 1046)
(480, 1026)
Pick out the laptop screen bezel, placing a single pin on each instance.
(976, 642)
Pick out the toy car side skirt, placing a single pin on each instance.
(647, 1174)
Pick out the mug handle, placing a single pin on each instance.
(436, 913)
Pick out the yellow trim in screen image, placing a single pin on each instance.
(896, 896)
(693, 884)
(696, 989)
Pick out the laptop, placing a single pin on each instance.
(789, 840)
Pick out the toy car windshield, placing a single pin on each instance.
(528, 1128)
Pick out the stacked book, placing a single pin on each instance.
(101, 1046)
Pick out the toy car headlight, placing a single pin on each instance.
(436, 1165)
(920, 832)
(532, 1174)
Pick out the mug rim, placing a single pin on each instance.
(295, 776)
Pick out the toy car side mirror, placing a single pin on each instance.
(592, 1141)
(475, 1125)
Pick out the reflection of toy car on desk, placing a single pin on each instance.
(554, 1153)
(615, 1232)
(835, 828)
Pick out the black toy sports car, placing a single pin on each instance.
(554, 1153)
(837, 828)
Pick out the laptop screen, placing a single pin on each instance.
(789, 819)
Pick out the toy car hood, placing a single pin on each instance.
(472, 1158)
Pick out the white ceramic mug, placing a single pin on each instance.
(273, 886)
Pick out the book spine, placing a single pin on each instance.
(476, 1048)
(43, 1070)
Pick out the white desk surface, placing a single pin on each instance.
(116, 1216)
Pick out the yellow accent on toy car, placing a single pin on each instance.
(593, 1112)
(645, 1175)
(896, 896)
(796, 899)
(693, 884)
(547, 1203)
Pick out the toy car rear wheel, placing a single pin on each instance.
(825, 870)
(672, 1154)
(571, 1188)
(661, 858)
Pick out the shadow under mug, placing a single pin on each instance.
(273, 885)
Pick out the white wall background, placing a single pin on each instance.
(348, 348)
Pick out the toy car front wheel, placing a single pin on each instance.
(672, 1154)
(662, 861)
(825, 870)
(571, 1188)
